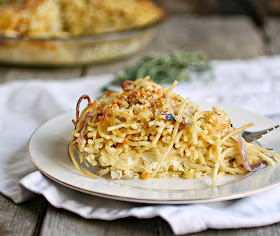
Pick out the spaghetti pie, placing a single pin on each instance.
(74, 18)
(148, 131)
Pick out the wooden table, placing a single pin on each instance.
(221, 38)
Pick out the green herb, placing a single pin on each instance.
(178, 65)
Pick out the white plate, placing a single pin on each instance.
(48, 150)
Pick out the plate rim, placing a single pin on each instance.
(145, 200)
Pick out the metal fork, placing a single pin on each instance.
(252, 136)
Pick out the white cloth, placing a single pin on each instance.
(25, 105)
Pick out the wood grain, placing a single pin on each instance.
(219, 37)
(60, 222)
(23, 219)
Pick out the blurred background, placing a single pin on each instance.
(269, 7)
(220, 29)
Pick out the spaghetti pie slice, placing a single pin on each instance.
(148, 131)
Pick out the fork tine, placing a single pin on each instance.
(252, 136)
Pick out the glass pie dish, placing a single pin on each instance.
(76, 50)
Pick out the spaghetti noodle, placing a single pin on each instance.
(148, 131)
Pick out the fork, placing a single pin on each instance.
(252, 136)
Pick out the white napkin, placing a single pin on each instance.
(25, 105)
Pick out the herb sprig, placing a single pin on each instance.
(180, 65)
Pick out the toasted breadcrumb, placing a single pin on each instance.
(63, 18)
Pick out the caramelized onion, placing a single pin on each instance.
(85, 96)
(127, 82)
(105, 114)
(80, 138)
(244, 154)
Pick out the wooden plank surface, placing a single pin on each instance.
(22, 219)
(218, 37)
(60, 222)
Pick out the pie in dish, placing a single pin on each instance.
(71, 18)
(148, 131)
